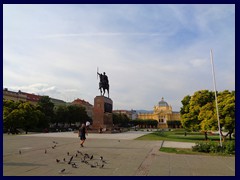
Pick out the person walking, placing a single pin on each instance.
(82, 134)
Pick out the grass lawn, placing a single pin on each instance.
(189, 151)
(178, 136)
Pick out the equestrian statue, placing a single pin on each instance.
(103, 84)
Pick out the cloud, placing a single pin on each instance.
(198, 62)
(147, 51)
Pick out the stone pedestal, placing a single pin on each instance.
(102, 113)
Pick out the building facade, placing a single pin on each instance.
(162, 113)
(130, 114)
(87, 105)
(27, 97)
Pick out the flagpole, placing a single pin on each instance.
(214, 84)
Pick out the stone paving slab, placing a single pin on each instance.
(123, 157)
(125, 135)
(177, 144)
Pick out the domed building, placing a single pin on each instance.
(163, 113)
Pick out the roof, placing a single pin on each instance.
(162, 103)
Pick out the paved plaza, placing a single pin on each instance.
(37, 155)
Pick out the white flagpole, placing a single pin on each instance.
(214, 83)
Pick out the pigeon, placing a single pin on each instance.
(70, 160)
(45, 151)
(118, 140)
(53, 147)
(20, 152)
(102, 166)
(57, 160)
(91, 157)
(86, 155)
(74, 165)
(61, 171)
(64, 159)
(104, 162)
(92, 166)
(76, 155)
(79, 152)
(68, 153)
(101, 158)
(86, 162)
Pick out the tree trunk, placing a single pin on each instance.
(230, 136)
(205, 134)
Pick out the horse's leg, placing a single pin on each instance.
(103, 91)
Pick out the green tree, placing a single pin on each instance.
(61, 115)
(46, 107)
(120, 119)
(199, 112)
(75, 114)
(30, 116)
(20, 115)
(186, 105)
(208, 118)
(226, 105)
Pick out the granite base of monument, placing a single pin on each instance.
(102, 114)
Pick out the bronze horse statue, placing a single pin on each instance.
(103, 88)
(103, 84)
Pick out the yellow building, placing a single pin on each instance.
(162, 113)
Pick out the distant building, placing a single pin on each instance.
(23, 96)
(87, 105)
(20, 96)
(14, 96)
(162, 113)
(130, 114)
(32, 98)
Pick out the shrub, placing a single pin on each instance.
(214, 147)
(230, 147)
(201, 147)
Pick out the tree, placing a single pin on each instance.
(61, 115)
(174, 123)
(120, 119)
(30, 116)
(76, 113)
(186, 105)
(208, 118)
(20, 115)
(226, 105)
(46, 107)
(199, 111)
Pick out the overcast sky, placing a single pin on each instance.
(147, 51)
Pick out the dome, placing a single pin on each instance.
(162, 103)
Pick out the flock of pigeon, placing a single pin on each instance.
(78, 157)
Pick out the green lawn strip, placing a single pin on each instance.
(178, 150)
(189, 151)
(177, 137)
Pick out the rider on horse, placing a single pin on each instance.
(103, 84)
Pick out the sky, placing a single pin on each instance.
(148, 51)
